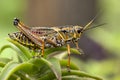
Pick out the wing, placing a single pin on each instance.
(42, 31)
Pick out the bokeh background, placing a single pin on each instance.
(101, 45)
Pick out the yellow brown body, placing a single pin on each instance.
(47, 37)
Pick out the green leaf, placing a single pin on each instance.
(3, 61)
(22, 49)
(52, 67)
(4, 47)
(7, 70)
(73, 77)
(56, 67)
(12, 67)
(48, 76)
(19, 53)
(79, 74)
(52, 64)
(64, 63)
(51, 50)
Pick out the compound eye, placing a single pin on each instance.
(16, 21)
(64, 31)
(79, 30)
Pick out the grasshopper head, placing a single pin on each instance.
(78, 29)
(16, 21)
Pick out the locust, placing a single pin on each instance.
(40, 38)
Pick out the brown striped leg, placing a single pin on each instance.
(51, 42)
(42, 47)
(78, 48)
(68, 65)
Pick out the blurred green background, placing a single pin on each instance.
(101, 45)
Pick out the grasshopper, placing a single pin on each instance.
(40, 38)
